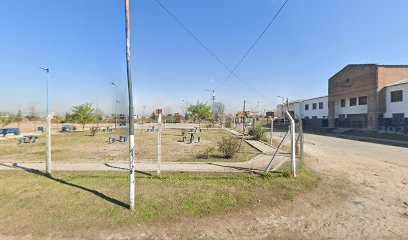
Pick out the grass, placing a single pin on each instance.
(74, 202)
(81, 147)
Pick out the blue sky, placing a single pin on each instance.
(82, 41)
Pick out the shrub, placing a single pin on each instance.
(228, 122)
(94, 130)
(229, 146)
(257, 132)
(207, 153)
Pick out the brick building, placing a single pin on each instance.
(357, 94)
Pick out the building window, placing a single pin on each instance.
(343, 102)
(307, 117)
(396, 96)
(314, 105)
(314, 117)
(307, 107)
(353, 101)
(320, 105)
(362, 100)
(342, 116)
(398, 119)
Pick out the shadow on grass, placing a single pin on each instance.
(96, 193)
(241, 169)
(127, 169)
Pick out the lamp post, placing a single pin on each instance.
(48, 118)
(116, 103)
(47, 70)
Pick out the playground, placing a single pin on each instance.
(78, 147)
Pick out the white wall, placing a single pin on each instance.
(358, 109)
(319, 113)
(396, 107)
(293, 106)
(298, 107)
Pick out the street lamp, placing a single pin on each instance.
(116, 103)
(47, 70)
(48, 132)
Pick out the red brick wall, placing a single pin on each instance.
(354, 80)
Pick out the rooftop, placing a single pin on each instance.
(403, 81)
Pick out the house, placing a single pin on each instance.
(357, 95)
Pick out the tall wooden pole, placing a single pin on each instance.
(131, 113)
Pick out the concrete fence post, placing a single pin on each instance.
(159, 144)
(293, 143)
(48, 145)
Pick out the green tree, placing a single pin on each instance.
(83, 114)
(200, 111)
(153, 117)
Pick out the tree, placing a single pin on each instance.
(169, 118)
(199, 112)
(218, 111)
(83, 114)
(99, 114)
(153, 116)
(32, 115)
(18, 118)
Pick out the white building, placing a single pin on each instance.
(314, 108)
(313, 111)
(396, 112)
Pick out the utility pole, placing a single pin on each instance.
(244, 120)
(213, 103)
(131, 113)
(116, 103)
(96, 110)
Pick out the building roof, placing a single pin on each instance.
(301, 100)
(369, 65)
(403, 81)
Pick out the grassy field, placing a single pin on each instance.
(74, 202)
(81, 147)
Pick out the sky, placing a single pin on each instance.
(83, 44)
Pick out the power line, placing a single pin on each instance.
(231, 72)
(253, 44)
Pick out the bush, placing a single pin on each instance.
(94, 130)
(229, 146)
(228, 122)
(207, 153)
(257, 132)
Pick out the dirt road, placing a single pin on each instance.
(363, 195)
